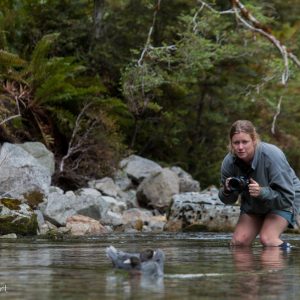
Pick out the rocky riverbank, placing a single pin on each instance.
(142, 196)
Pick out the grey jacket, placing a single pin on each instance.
(270, 168)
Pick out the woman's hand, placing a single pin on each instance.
(254, 188)
(227, 188)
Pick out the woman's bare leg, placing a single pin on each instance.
(246, 230)
(272, 228)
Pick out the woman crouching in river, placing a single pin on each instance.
(269, 188)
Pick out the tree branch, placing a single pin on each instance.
(249, 21)
(71, 147)
(204, 4)
(253, 24)
(148, 41)
(276, 115)
(17, 98)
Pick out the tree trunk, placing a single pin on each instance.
(98, 16)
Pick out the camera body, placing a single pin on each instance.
(239, 183)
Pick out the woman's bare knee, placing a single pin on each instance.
(265, 239)
(272, 228)
(241, 241)
(246, 230)
(269, 240)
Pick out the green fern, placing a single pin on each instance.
(39, 59)
(9, 63)
(52, 92)
(8, 59)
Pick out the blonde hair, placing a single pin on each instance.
(246, 127)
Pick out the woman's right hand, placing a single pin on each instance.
(227, 188)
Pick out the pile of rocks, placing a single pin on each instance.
(141, 196)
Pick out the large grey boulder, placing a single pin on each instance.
(186, 181)
(129, 198)
(41, 153)
(137, 168)
(60, 206)
(122, 180)
(105, 185)
(87, 202)
(156, 190)
(203, 210)
(21, 173)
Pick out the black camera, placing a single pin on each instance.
(239, 183)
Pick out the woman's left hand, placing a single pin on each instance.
(254, 188)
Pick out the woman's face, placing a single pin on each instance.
(243, 146)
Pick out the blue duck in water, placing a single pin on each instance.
(148, 262)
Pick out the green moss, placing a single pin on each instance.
(195, 228)
(34, 198)
(54, 235)
(12, 204)
(17, 225)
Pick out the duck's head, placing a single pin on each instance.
(146, 254)
(134, 262)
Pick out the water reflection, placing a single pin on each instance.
(198, 266)
(132, 285)
(259, 271)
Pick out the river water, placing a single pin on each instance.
(198, 266)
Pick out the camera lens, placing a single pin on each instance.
(235, 184)
(238, 183)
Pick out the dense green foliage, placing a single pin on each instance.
(91, 81)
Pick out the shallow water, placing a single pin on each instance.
(198, 266)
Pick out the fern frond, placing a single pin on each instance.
(3, 40)
(64, 119)
(44, 129)
(39, 58)
(10, 60)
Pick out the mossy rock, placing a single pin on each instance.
(18, 225)
(12, 204)
(34, 198)
(138, 225)
(17, 217)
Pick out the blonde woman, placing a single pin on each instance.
(268, 187)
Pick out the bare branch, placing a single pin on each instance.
(148, 42)
(281, 48)
(276, 115)
(294, 59)
(17, 98)
(10, 118)
(204, 4)
(71, 147)
(248, 20)
(253, 24)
